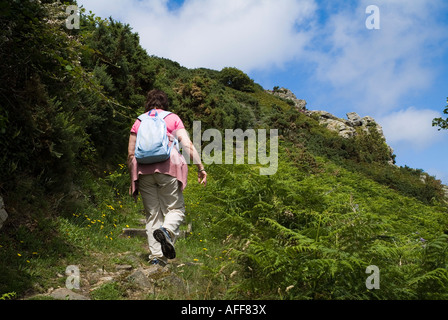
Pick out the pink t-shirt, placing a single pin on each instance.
(176, 166)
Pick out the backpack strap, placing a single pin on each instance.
(162, 114)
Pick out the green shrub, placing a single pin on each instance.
(236, 79)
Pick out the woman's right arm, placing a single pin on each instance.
(131, 148)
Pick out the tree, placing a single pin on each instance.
(440, 122)
(236, 79)
(43, 116)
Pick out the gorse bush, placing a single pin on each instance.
(236, 79)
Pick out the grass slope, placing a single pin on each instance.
(294, 235)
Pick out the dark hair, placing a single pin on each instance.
(156, 99)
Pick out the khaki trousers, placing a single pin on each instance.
(164, 206)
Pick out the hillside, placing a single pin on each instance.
(336, 204)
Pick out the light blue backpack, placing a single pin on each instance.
(152, 139)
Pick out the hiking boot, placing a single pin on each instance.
(158, 262)
(162, 236)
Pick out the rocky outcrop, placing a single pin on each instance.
(445, 190)
(344, 128)
(288, 95)
(348, 128)
(3, 213)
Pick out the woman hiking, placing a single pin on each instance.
(161, 184)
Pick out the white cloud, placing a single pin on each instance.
(249, 34)
(411, 128)
(375, 69)
(368, 71)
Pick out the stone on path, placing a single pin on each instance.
(134, 232)
(66, 294)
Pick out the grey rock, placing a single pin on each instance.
(66, 294)
(173, 281)
(340, 127)
(123, 267)
(343, 127)
(134, 232)
(346, 128)
(287, 94)
(144, 277)
(445, 190)
(354, 119)
(139, 278)
(323, 115)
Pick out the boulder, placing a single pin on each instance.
(343, 127)
(141, 278)
(340, 127)
(369, 122)
(445, 190)
(66, 294)
(287, 94)
(354, 119)
(323, 115)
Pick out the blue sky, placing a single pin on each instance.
(322, 51)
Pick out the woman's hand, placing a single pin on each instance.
(202, 177)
